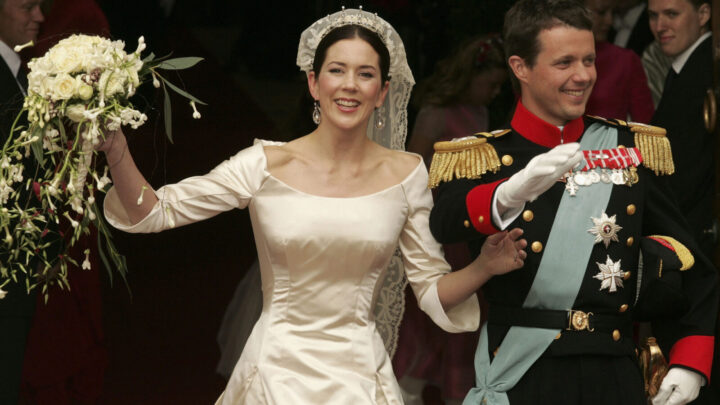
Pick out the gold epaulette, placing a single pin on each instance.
(462, 159)
(494, 134)
(605, 120)
(654, 147)
(683, 253)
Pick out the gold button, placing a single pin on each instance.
(466, 223)
(528, 215)
(631, 209)
(481, 219)
(558, 336)
(536, 247)
(623, 308)
(621, 146)
(630, 241)
(495, 351)
(616, 335)
(507, 160)
(627, 275)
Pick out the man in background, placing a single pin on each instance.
(681, 27)
(19, 23)
(630, 26)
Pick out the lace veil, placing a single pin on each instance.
(390, 301)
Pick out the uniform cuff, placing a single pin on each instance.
(479, 207)
(694, 352)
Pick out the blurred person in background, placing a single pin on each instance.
(452, 103)
(621, 90)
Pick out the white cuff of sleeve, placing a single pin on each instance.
(502, 222)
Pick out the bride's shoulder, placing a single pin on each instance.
(404, 161)
(281, 154)
(401, 164)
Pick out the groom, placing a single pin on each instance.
(589, 193)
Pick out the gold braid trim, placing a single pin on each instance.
(466, 159)
(683, 253)
(654, 147)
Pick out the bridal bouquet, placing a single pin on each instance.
(79, 89)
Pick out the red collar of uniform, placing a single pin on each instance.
(540, 132)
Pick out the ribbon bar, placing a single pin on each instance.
(616, 158)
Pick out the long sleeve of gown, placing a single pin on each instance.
(425, 264)
(229, 185)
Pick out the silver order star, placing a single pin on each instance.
(610, 275)
(605, 229)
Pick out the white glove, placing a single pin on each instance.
(679, 387)
(539, 175)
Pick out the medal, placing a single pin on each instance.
(605, 229)
(610, 275)
(604, 176)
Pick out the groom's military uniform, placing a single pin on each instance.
(678, 292)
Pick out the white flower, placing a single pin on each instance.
(113, 122)
(103, 181)
(196, 113)
(141, 45)
(84, 91)
(92, 114)
(112, 82)
(65, 59)
(76, 203)
(86, 262)
(64, 87)
(3, 293)
(19, 48)
(73, 222)
(76, 112)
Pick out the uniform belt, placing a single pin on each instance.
(557, 319)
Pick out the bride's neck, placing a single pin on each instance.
(342, 146)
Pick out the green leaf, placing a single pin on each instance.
(168, 115)
(61, 127)
(149, 58)
(104, 259)
(182, 92)
(179, 63)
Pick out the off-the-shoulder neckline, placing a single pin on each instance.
(261, 144)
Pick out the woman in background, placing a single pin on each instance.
(453, 103)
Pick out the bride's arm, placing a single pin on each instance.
(129, 182)
(501, 253)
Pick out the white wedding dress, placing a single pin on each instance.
(321, 262)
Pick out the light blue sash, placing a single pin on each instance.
(556, 284)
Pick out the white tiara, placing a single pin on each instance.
(401, 83)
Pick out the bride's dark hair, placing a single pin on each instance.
(350, 32)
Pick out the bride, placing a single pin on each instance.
(328, 211)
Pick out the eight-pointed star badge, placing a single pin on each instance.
(610, 275)
(605, 229)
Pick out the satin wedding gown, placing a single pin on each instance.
(321, 260)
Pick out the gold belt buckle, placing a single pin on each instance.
(579, 320)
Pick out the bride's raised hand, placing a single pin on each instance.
(503, 252)
(114, 140)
